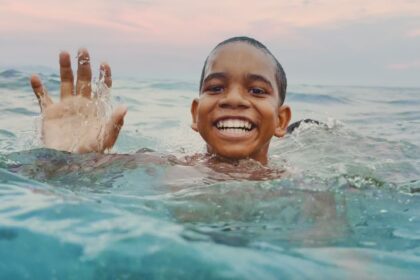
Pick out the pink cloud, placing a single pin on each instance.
(190, 22)
(413, 33)
(405, 65)
(47, 15)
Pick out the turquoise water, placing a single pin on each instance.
(347, 205)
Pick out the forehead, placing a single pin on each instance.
(240, 58)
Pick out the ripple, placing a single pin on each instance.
(10, 73)
(7, 133)
(22, 111)
(316, 98)
(347, 186)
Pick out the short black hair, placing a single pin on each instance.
(280, 76)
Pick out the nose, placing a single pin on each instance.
(234, 98)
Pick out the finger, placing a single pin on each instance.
(105, 74)
(84, 74)
(40, 92)
(66, 74)
(113, 127)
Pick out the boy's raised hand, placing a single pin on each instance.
(77, 123)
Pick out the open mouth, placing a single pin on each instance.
(234, 126)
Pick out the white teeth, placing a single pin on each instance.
(234, 124)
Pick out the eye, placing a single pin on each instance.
(215, 89)
(257, 91)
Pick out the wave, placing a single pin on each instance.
(316, 98)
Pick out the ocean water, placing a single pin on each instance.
(347, 205)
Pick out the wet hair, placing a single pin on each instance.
(280, 74)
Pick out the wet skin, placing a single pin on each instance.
(72, 124)
(237, 114)
(239, 108)
(239, 89)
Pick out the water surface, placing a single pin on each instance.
(347, 205)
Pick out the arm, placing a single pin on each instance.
(78, 122)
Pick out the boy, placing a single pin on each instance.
(239, 110)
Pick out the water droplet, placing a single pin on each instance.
(84, 61)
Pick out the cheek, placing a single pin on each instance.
(269, 124)
(203, 123)
(204, 110)
(202, 118)
(269, 114)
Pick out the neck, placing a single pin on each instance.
(215, 158)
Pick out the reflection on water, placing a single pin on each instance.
(339, 199)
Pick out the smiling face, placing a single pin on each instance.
(239, 110)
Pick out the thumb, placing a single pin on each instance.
(113, 127)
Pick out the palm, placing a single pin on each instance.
(79, 122)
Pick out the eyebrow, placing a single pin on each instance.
(256, 77)
(216, 75)
(251, 77)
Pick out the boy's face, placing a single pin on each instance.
(239, 108)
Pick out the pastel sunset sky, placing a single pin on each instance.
(345, 42)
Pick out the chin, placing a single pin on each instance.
(238, 152)
(235, 153)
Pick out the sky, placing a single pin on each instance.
(330, 42)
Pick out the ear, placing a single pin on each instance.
(194, 114)
(284, 116)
